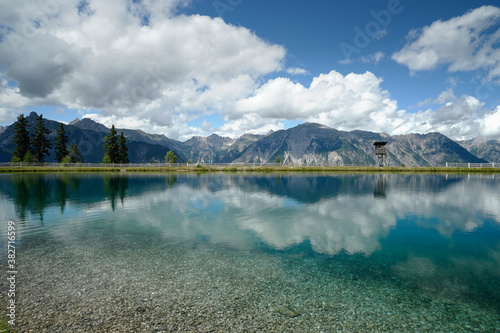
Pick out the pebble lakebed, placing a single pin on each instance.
(138, 283)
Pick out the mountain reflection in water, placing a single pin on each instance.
(423, 246)
(439, 232)
(334, 213)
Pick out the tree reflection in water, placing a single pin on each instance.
(115, 186)
(33, 193)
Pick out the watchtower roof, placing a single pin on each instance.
(380, 143)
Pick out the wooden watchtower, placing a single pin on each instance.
(381, 153)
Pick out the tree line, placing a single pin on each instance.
(36, 146)
(115, 150)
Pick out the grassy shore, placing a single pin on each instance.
(5, 327)
(265, 169)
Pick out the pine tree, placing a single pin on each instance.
(111, 146)
(21, 139)
(60, 144)
(122, 149)
(74, 154)
(40, 143)
(29, 158)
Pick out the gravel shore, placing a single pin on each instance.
(121, 282)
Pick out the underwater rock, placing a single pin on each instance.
(286, 311)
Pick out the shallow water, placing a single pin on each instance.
(224, 252)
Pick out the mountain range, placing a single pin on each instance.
(305, 144)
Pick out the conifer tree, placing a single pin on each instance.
(39, 142)
(74, 154)
(122, 149)
(29, 158)
(111, 146)
(21, 139)
(60, 144)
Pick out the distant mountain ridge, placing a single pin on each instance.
(305, 144)
(315, 144)
(482, 148)
(89, 124)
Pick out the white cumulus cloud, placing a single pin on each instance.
(128, 59)
(346, 102)
(143, 65)
(464, 43)
(358, 102)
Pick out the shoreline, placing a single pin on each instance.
(246, 168)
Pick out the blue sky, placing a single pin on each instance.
(313, 33)
(195, 67)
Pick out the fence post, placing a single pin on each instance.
(468, 165)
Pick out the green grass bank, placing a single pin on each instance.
(264, 169)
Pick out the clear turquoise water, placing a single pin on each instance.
(349, 252)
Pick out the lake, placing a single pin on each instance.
(234, 252)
